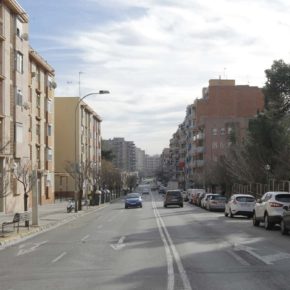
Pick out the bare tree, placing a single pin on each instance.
(24, 174)
(81, 173)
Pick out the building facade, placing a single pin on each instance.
(17, 111)
(222, 113)
(124, 153)
(77, 143)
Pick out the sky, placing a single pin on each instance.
(155, 56)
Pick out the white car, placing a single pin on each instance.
(205, 199)
(240, 204)
(269, 208)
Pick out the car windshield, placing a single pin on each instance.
(133, 195)
(174, 193)
(283, 197)
(245, 199)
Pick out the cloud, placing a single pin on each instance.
(155, 57)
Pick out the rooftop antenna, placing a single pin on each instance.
(225, 75)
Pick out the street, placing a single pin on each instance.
(150, 248)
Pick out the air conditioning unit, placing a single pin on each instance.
(24, 36)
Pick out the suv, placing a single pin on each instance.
(173, 197)
(269, 208)
(240, 204)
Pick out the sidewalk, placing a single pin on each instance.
(50, 216)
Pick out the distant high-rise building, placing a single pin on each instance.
(124, 153)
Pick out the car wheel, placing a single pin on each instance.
(284, 231)
(267, 224)
(256, 223)
(181, 205)
(226, 214)
(231, 214)
(126, 206)
(165, 205)
(141, 205)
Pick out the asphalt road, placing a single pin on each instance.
(150, 248)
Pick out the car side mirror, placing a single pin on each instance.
(285, 207)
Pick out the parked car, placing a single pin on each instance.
(133, 200)
(216, 202)
(162, 190)
(240, 204)
(285, 222)
(205, 199)
(173, 197)
(269, 209)
(199, 198)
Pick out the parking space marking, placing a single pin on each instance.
(58, 257)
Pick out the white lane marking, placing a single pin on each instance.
(169, 258)
(182, 272)
(84, 238)
(23, 251)
(119, 245)
(250, 251)
(238, 258)
(58, 257)
(276, 257)
(99, 226)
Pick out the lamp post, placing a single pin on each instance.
(101, 92)
(267, 168)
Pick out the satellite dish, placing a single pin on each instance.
(53, 85)
(24, 36)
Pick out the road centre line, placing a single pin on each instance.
(84, 238)
(182, 272)
(58, 257)
(169, 258)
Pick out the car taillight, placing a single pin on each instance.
(275, 204)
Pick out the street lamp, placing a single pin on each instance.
(101, 92)
(267, 168)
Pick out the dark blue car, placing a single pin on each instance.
(133, 200)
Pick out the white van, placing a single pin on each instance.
(192, 194)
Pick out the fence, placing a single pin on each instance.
(258, 189)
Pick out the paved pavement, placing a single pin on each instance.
(50, 215)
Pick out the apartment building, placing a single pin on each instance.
(41, 124)
(140, 161)
(152, 163)
(77, 142)
(124, 153)
(17, 111)
(211, 122)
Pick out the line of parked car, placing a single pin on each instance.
(272, 209)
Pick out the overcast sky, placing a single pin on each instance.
(155, 55)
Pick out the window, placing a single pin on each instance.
(221, 145)
(19, 27)
(49, 154)
(230, 130)
(214, 131)
(19, 98)
(49, 130)
(49, 106)
(214, 145)
(223, 131)
(19, 133)
(19, 62)
(38, 129)
(38, 100)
